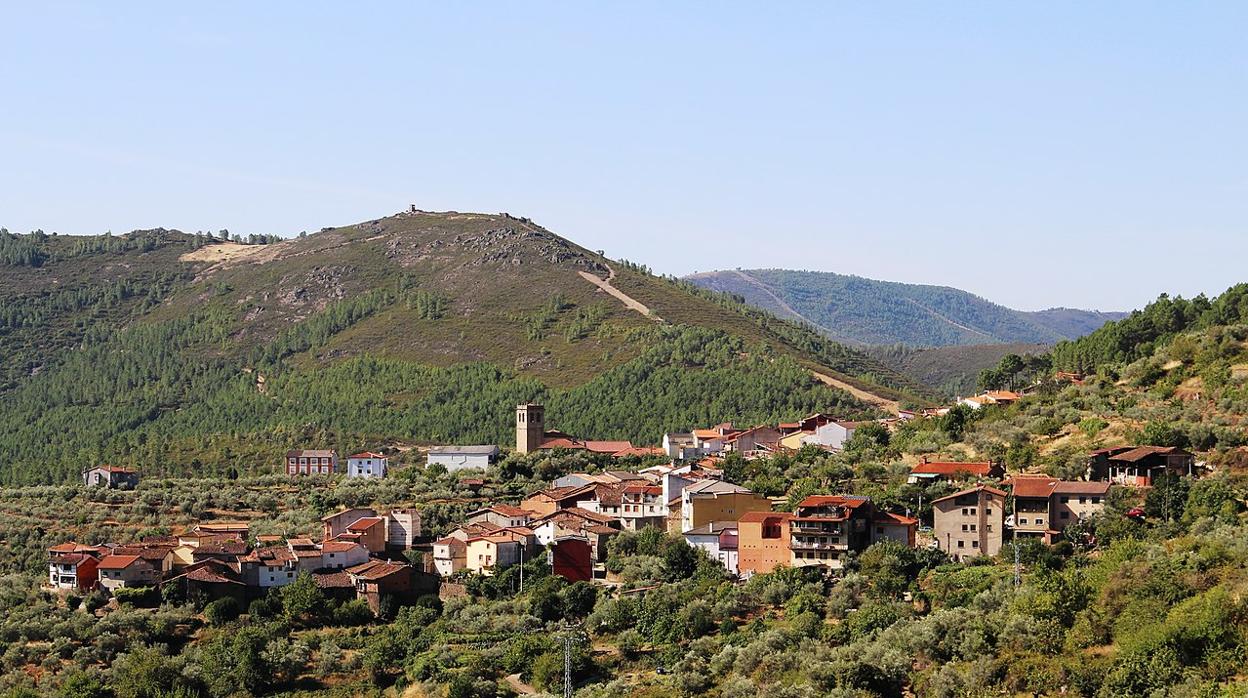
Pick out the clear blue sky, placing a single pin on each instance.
(1039, 154)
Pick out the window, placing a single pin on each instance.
(964, 528)
(1083, 500)
(987, 511)
(961, 544)
(1065, 500)
(988, 528)
(974, 544)
(964, 512)
(1096, 500)
(1022, 521)
(972, 527)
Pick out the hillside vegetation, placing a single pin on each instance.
(1121, 605)
(865, 311)
(184, 353)
(951, 371)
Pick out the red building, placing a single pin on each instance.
(572, 559)
(311, 462)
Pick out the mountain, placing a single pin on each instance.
(860, 311)
(183, 353)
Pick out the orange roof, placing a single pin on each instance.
(117, 562)
(112, 469)
(365, 523)
(368, 454)
(822, 500)
(339, 546)
(1032, 485)
(607, 446)
(891, 518)
(509, 510)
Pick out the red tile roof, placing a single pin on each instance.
(365, 523)
(1032, 486)
(972, 490)
(333, 580)
(368, 454)
(339, 546)
(760, 516)
(118, 562)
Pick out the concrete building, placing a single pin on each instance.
(311, 462)
(763, 541)
(367, 464)
(111, 476)
(455, 458)
(720, 540)
(707, 501)
(970, 523)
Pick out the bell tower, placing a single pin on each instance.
(530, 427)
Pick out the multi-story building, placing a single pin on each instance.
(826, 528)
(641, 506)
(73, 567)
(720, 541)
(707, 501)
(311, 462)
(1045, 506)
(763, 541)
(970, 523)
(367, 464)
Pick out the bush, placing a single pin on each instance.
(223, 610)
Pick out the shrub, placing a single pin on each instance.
(223, 610)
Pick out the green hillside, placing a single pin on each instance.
(855, 310)
(180, 353)
(952, 371)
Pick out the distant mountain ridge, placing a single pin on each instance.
(861, 311)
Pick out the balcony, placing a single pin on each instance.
(816, 527)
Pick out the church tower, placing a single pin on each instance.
(530, 427)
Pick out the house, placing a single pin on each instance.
(572, 558)
(491, 552)
(160, 555)
(367, 464)
(927, 472)
(641, 506)
(336, 524)
(402, 528)
(501, 515)
(73, 567)
(369, 531)
(210, 580)
(268, 567)
(450, 555)
(707, 501)
(235, 529)
(1044, 506)
(991, 397)
(826, 528)
(311, 462)
(335, 584)
(680, 446)
(1139, 466)
(111, 476)
(595, 527)
(834, 434)
(339, 554)
(970, 523)
(720, 541)
(126, 571)
(223, 548)
(549, 500)
(753, 440)
(376, 580)
(308, 555)
(763, 541)
(462, 457)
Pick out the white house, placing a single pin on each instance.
(834, 434)
(367, 464)
(719, 540)
(463, 457)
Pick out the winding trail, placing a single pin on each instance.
(628, 301)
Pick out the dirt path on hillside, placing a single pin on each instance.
(870, 398)
(524, 689)
(627, 300)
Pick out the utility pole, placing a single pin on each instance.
(521, 568)
(567, 665)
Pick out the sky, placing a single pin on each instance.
(1072, 154)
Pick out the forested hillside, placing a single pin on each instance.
(178, 353)
(952, 371)
(865, 311)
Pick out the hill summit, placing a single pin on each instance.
(175, 351)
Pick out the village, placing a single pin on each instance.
(385, 558)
